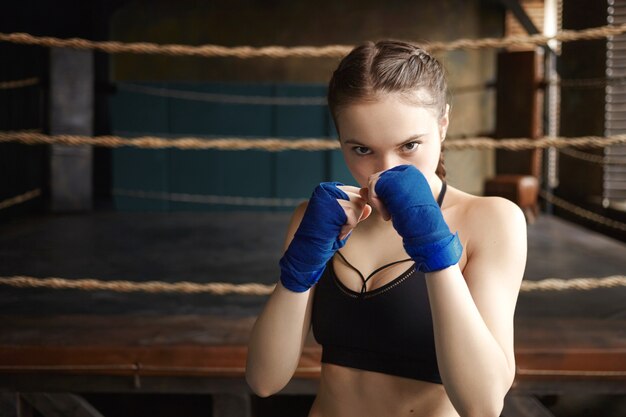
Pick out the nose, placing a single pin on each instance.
(388, 161)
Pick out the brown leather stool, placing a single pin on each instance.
(521, 189)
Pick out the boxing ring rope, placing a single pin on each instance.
(22, 198)
(581, 212)
(329, 51)
(14, 84)
(584, 156)
(212, 199)
(304, 144)
(222, 98)
(225, 288)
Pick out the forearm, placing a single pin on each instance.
(473, 366)
(276, 341)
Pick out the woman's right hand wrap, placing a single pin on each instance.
(316, 240)
(417, 217)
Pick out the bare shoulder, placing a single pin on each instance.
(491, 224)
(495, 212)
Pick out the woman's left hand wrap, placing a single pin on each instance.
(417, 217)
(316, 240)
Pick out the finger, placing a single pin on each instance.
(352, 211)
(367, 210)
(348, 228)
(379, 206)
(345, 233)
(364, 193)
(350, 188)
(355, 197)
(355, 213)
(373, 199)
(353, 193)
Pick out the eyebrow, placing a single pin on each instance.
(410, 139)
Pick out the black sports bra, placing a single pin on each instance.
(387, 330)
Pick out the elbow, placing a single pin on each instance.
(485, 400)
(260, 391)
(260, 386)
(488, 406)
(484, 410)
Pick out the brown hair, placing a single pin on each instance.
(389, 66)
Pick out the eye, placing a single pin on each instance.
(362, 150)
(411, 146)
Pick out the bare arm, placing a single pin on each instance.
(281, 329)
(279, 332)
(473, 311)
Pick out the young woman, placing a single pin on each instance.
(410, 285)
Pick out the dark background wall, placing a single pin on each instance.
(282, 22)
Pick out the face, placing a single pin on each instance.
(379, 135)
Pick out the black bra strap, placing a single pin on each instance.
(351, 266)
(442, 193)
(363, 287)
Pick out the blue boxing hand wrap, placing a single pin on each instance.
(417, 218)
(316, 240)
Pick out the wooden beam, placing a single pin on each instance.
(519, 105)
(520, 14)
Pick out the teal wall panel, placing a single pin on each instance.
(338, 171)
(289, 174)
(140, 113)
(223, 173)
(298, 172)
(202, 117)
(143, 170)
(136, 169)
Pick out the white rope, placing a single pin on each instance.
(305, 144)
(222, 98)
(583, 156)
(251, 100)
(14, 84)
(22, 198)
(581, 212)
(212, 199)
(276, 51)
(223, 288)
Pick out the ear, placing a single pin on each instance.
(444, 122)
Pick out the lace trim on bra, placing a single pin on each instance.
(393, 283)
(368, 294)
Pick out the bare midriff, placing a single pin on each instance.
(346, 392)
